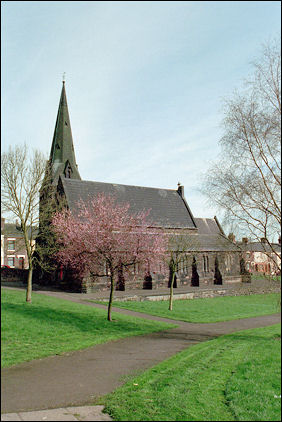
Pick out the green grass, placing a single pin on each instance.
(52, 326)
(210, 309)
(260, 276)
(232, 378)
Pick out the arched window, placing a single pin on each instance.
(206, 263)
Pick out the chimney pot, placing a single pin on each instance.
(244, 239)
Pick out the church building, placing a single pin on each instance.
(169, 211)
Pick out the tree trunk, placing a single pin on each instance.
(29, 285)
(111, 299)
(30, 264)
(171, 291)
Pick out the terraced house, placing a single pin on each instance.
(261, 257)
(13, 251)
(169, 211)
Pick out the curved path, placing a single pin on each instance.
(76, 378)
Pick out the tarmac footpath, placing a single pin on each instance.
(64, 387)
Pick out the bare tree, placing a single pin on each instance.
(179, 246)
(21, 179)
(245, 182)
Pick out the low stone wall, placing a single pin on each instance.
(90, 285)
(237, 290)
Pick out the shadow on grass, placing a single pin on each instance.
(86, 322)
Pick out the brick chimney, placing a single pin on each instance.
(279, 240)
(263, 240)
(180, 189)
(2, 223)
(245, 240)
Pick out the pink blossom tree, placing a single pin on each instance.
(104, 232)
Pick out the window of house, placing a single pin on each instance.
(11, 261)
(11, 244)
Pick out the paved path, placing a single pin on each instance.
(77, 378)
(79, 413)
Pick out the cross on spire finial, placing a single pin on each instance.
(64, 76)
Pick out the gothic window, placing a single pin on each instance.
(106, 269)
(206, 263)
(135, 268)
(186, 263)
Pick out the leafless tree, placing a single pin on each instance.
(21, 178)
(179, 246)
(245, 182)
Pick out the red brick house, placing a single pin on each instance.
(260, 257)
(13, 251)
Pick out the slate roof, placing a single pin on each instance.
(211, 238)
(259, 247)
(168, 209)
(13, 230)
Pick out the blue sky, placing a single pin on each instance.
(144, 82)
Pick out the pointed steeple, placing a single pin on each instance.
(62, 157)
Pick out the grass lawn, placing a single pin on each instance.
(52, 326)
(259, 276)
(210, 309)
(236, 377)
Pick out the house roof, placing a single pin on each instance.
(14, 230)
(167, 208)
(259, 247)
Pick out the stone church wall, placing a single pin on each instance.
(228, 264)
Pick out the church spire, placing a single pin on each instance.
(62, 157)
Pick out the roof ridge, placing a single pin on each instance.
(117, 184)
